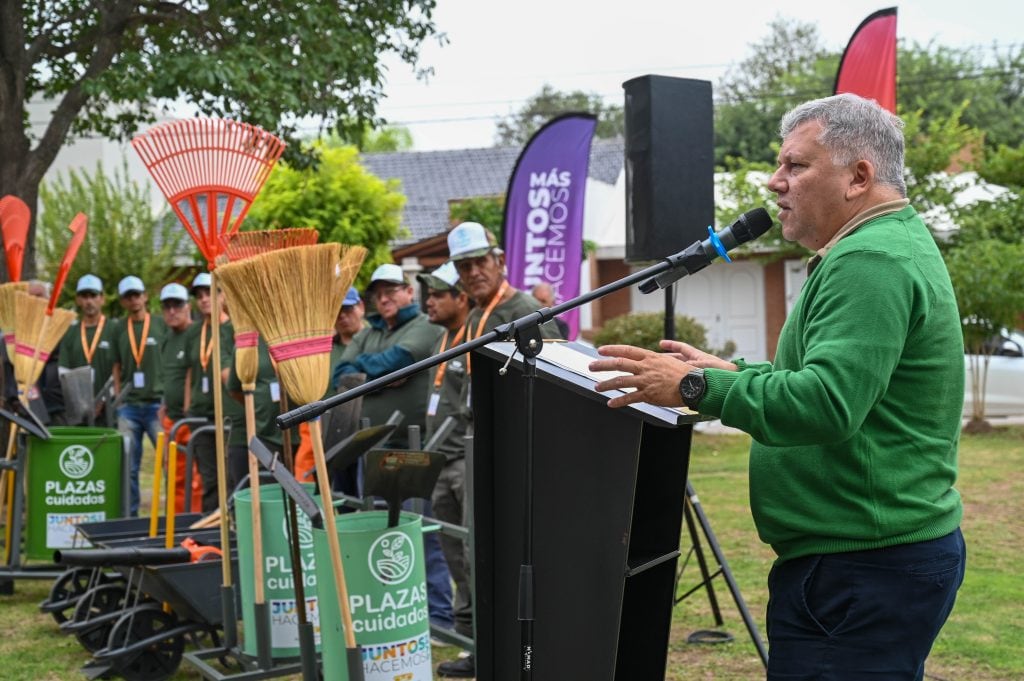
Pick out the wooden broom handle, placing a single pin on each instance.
(254, 487)
(324, 483)
(218, 435)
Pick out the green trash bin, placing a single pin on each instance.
(278, 583)
(74, 477)
(386, 577)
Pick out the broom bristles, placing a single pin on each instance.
(30, 313)
(241, 245)
(7, 313)
(247, 362)
(292, 296)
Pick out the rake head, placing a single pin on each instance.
(210, 170)
(14, 221)
(242, 245)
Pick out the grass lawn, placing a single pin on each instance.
(983, 640)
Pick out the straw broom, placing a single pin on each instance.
(7, 292)
(293, 296)
(238, 246)
(37, 335)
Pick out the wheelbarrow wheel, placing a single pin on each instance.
(69, 587)
(100, 600)
(161, 657)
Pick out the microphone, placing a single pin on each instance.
(699, 255)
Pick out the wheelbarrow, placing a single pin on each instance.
(69, 586)
(97, 609)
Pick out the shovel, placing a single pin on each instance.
(400, 474)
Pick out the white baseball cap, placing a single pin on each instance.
(173, 291)
(391, 274)
(471, 240)
(444, 278)
(202, 280)
(129, 284)
(89, 282)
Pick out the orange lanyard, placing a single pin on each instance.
(205, 349)
(137, 350)
(439, 379)
(483, 319)
(89, 349)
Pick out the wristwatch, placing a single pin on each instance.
(692, 387)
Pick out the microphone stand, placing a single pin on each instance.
(525, 331)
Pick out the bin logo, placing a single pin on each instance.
(305, 530)
(76, 462)
(392, 558)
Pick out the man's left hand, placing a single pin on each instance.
(654, 375)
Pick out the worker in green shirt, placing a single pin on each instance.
(90, 340)
(137, 374)
(199, 353)
(174, 365)
(267, 401)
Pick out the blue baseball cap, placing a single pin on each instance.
(89, 283)
(351, 297)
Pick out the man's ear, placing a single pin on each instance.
(861, 180)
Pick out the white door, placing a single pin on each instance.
(796, 275)
(727, 299)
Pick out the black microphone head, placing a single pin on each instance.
(751, 225)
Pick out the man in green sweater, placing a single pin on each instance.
(856, 423)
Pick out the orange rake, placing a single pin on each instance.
(14, 221)
(210, 170)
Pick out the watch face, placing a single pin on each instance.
(691, 388)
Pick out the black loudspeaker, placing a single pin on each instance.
(670, 180)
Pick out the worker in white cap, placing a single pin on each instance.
(137, 371)
(90, 339)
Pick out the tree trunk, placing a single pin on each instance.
(13, 182)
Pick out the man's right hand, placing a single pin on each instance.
(695, 357)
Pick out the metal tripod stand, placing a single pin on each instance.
(692, 509)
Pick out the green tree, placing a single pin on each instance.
(340, 198)
(373, 140)
(517, 129)
(123, 238)
(107, 65)
(986, 278)
(937, 80)
(489, 211)
(788, 66)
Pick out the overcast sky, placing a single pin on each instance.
(501, 53)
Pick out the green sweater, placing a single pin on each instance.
(856, 424)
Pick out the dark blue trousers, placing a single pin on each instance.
(862, 615)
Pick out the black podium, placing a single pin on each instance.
(608, 495)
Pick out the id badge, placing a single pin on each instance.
(206, 384)
(435, 398)
(139, 379)
(275, 391)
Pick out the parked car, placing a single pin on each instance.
(1004, 389)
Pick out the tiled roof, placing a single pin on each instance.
(430, 179)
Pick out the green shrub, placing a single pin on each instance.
(646, 329)
(124, 237)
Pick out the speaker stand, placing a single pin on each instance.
(693, 508)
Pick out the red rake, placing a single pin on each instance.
(210, 170)
(78, 227)
(14, 221)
